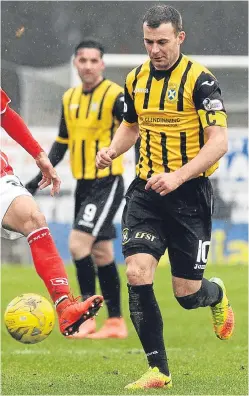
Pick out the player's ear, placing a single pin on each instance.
(74, 61)
(181, 37)
(102, 64)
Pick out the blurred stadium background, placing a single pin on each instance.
(38, 39)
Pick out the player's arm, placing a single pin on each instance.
(55, 155)
(210, 108)
(14, 125)
(215, 147)
(125, 136)
(18, 131)
(60, 146)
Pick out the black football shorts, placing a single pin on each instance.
(179, 222)
(96, 203)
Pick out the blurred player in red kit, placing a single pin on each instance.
(20, 215)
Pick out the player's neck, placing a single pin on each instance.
(171, 64)
(91, 86)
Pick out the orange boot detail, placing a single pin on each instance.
(72, 313)
(88, 327)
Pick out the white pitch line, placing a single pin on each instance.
(108, 351)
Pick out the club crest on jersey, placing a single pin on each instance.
(125, 236)
(171, 95)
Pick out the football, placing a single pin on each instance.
(29, 318)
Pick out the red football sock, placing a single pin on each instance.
(48, 263)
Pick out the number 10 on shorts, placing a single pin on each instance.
(202, 251)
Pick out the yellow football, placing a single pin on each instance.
(29, 318)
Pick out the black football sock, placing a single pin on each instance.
(86, 276)
(213, 291)
(209, 294)
(110, 286)
(147, 320)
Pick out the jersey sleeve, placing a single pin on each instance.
(208, 101)
(63, 133)
(118, 108)
(5, 100)
(18, 130)
(130, 115)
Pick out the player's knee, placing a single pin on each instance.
(103, 253)
(133, 275)
(37, 220)
(190, 301)
(78, 250)
(101, 257)
(137, 272)
(80, 244)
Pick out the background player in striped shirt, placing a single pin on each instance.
(91, 113)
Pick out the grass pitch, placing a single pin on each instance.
(200, 363)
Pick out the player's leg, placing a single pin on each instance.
(93, 206)
(188, 252)
(112, 188)
(81, 238)
(143, 245)
(80, 245)
(147, 320)
(21, 214)
(114, 326)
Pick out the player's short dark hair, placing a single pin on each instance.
(90, 43)
(159, 14)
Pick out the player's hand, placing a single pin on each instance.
(104, 157)
(49, 174)
(164, 183)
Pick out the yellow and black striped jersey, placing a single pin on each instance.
(172, 109)
(89, 121)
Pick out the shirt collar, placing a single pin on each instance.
(91, 90)
(158, 74)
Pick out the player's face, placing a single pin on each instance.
(162, 45)
(89, 65)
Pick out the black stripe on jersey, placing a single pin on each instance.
(83, 158)
(164, 151)
(140, 165)
(201, 138)
(112, 130)
(78, 109)
(164, 90)
(111, 137)
(135, 80)
(89, 104)
(69, 102)
(102, 102)
(96, 151)
(73, 149)
(147, 93)
(181, 88)
(183, 147)
(201, 134)
(148, 154)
